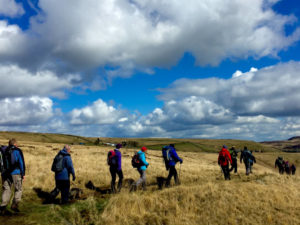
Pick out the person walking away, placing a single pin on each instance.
(13, 174)
(279, 164)
(293, 169)
(223, 160)
(233, 153)
(114, 159)
(141, 169)
(173, 158)
(248, 159)
(63, 167)
(287, 167)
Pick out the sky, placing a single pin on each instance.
(216, 69)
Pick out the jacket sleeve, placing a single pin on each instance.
(70, 167)
(119, 160)
(143, 159)
(19, 160)
(175, 156)
(229, 157)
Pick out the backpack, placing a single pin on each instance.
(222, 157)
(111, 158)
(135, 161)
(5, 160)
(166, 154)
(57, 165)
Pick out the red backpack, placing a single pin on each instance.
(111, 158)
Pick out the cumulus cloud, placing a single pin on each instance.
(11, 8)
(270, 91)
(97, 113)
(18, 82)
(25, 111)
(146, 34)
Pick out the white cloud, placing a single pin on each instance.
(97, 113)
(146, 34)
(25, 111)
(18, 82)
(270, 91)
(11, 8)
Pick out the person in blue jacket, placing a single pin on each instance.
(62, 178)
(173, 158)
(14, 174)
(141, 169)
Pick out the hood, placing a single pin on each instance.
(64, 152)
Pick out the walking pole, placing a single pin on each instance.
(179, 173)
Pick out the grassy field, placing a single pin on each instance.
(204, 197)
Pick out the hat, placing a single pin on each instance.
(119, 145)
(224, 146)
(144, 149)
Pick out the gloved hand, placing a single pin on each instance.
(74, 178)
(181, 161)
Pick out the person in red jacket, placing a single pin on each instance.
(223, 160)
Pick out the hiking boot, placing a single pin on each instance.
(14, 207)
(2, 210)
(133, 188)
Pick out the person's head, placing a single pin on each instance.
(118, 146)
(13, 142)
(224, 146)
(245, 148)
(232, 148)
(172, 145)
(68, 148)
(144, 149)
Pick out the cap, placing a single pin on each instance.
(144, 149)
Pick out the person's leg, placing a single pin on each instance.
(235, 165)
(65, 190)
(113, 173)
(175, 176)
(6, 192)
(247, 165)
(17, 180)
(120, 174)
(224, 171)
(171, 173)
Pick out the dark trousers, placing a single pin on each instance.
(172, 172)
(62, 186)
(281, 169)
(113, 172)
(226, 172)
(234, 165)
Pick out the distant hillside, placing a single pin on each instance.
(46, 137)
(187, 145)
(290, 145)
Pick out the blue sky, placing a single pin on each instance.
(136, 68)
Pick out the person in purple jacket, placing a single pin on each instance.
(62, 178)
(173, 159)
(116, 168)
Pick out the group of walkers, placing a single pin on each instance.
(12, 168)
(227, 158)
(284, 166)
(114, 160)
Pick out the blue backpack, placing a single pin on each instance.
(166, 156)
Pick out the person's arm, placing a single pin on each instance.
(119, 160)
(175, 156)
(143, 159)
(229, 157)
(19, 160)
(70, 167)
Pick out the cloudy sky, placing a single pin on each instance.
(149, 68)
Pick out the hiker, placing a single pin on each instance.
(173, 158)
(279, 163)
(287, 167)
(248, 159)
(13, 173)
(223, 160)
(293, 169)
(63, 167)
(233, 153)
(141, 169)
(114, 160)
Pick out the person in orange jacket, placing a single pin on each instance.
(223, 160)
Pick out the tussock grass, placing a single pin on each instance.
(204, 197)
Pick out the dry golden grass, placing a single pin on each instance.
(204, 197)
